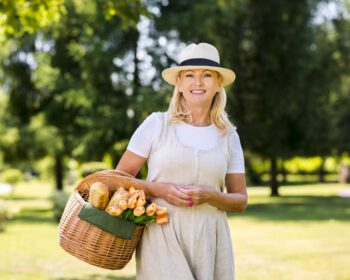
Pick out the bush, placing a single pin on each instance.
(12, 176)
(3, 214)
(59, 201)
(92, 167)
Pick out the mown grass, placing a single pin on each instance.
(304, 234)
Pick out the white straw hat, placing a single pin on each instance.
(201, 56)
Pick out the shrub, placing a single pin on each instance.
(12, 176)
(3, 214)
(59, 201)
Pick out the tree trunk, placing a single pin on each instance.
(136, 81)
(273, 177)
(59, 172)
(322, 172)
(283, 172)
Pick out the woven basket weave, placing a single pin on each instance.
(88, 242)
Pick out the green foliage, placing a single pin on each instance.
(22, 16)
(74, 87)
(59, 200)
(298, 165)
(62, 100)
(11, 176)
(3, 214)
(128, 11)
(345, 158)
(288, 70)
(303, 165)
(128, 215)
(44, 166)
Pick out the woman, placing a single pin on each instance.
(193, 152)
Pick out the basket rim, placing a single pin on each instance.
(115, 176)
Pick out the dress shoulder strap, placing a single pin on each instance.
(165, 126)
(162, 118)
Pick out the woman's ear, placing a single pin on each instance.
(219, 84)
(220, 81)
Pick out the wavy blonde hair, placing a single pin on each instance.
(179, 112)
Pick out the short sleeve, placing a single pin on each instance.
(236, 162)
(143, 138)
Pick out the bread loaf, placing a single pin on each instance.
(120, 195)
(99, 195)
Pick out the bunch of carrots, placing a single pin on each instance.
(130, 205)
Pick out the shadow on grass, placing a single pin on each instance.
(97, 277)
(292, 208)
(298, 183)
(265, 183)
(34, 216)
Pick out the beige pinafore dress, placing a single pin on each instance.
(196, 242)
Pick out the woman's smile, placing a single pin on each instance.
(198, 91)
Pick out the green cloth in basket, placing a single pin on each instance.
(103, 220)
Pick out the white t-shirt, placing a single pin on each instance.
(198, 138)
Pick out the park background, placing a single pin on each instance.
(77, 77)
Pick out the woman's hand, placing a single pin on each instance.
(234, 200)
(171, 193)
(199, 193)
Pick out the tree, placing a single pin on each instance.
(66, 72)
(278, 99)
(342, 98)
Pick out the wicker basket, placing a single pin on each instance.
(88, 242)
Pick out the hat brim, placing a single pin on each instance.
(170, 74)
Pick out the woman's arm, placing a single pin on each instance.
(131, 163)
(234, 200)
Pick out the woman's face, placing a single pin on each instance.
(199, 86)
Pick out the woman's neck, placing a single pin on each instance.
(200, 117)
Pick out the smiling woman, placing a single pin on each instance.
(193, 153)
(199, 87)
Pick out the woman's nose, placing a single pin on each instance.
(198, 80)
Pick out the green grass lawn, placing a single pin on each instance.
(304, 234)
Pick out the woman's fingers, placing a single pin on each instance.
(189, 190)
(182, 194)
(199, 193)
(180, 198)
(176, 196)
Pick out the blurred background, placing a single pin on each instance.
(77, 77)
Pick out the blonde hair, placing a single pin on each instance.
(179, 112)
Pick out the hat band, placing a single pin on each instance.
(199, 62)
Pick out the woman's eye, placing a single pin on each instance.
(207, 75)
(189, 75)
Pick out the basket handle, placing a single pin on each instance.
(105, 176)
(114, 172)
